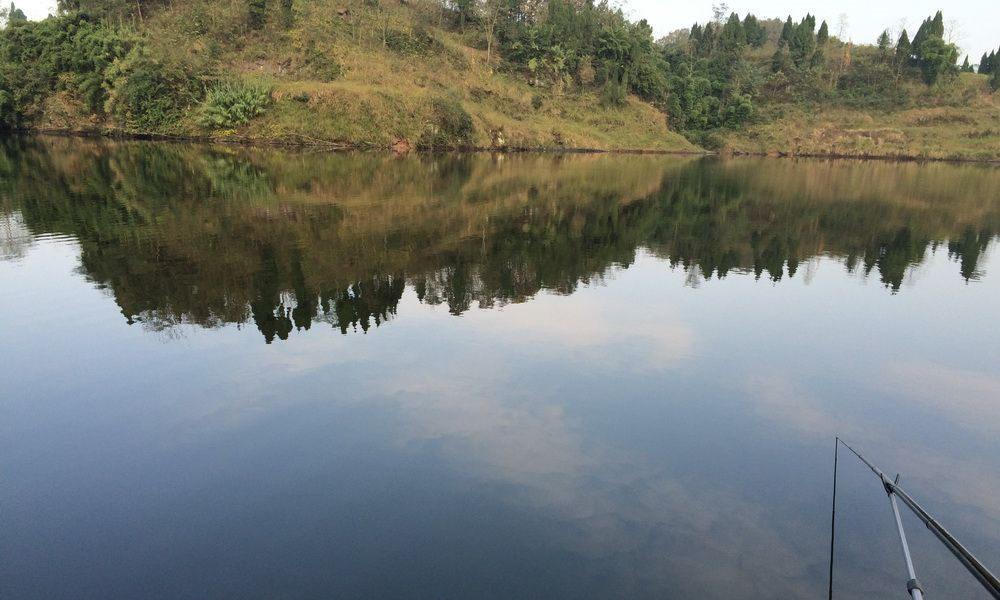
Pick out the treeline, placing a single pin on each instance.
(989, 64)
(714, 75)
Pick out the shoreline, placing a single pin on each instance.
(332, 146)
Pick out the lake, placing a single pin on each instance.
(255, 373)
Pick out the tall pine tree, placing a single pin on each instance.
(823, 35)
(733, 38)
(937, 25)
(786, 32)
(903, 49)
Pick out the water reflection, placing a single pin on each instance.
(184, 234)
(612, 432)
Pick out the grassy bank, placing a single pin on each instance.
(965, 126)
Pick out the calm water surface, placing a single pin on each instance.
(232, 373)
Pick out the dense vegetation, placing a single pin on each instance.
(182, 67)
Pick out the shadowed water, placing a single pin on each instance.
(255, 373)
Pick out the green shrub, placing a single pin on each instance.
(872, 85)
(318, 64)
(536, 102)
(450, 125)
(71, 53)
(322, 67)
(146, 95)
(419, 41)
(233, 103)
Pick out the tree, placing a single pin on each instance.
(755, 33)
(13, 15)
(884, 42)
(493, 10)
(810, 22)
(696, 32)
(706, 45)
(732, 39)
(786, 32)
(966, 67)
(937, 57)
(903, 50)
(930, 52)
(995, 80)
(823, 35)
(802, 43)
(988, 64)
(937, 25)
(920, 36)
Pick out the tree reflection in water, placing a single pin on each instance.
(191, 234)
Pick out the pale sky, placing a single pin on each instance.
(972, 23)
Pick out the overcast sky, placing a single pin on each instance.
(974, 24)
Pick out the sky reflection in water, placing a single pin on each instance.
(242, 373)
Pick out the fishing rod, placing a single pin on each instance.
(988, 580)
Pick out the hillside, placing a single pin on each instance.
(356, 72)
(501, 74)
(960, 123)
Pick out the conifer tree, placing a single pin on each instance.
(937, 25)
(823, 35)
(694, 38)
(15, 15)
(903, 49)
(984, 64)
(884, 41)
(786, 32)
(802, 43)
(966, 67)
(706, 43)
(755, 33)
(732, 38)
(920, 36)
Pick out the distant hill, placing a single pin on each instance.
(502, 74)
